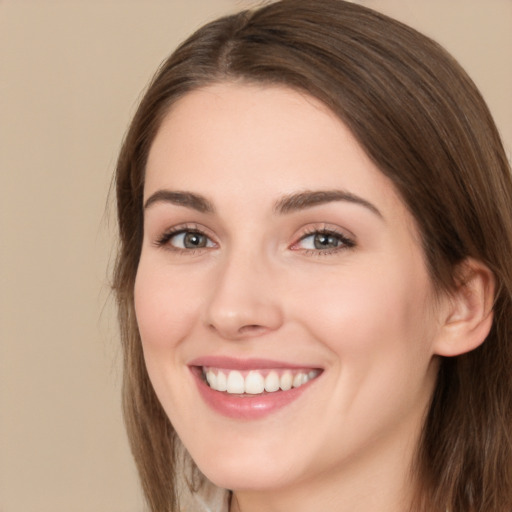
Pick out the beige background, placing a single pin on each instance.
(71, 72)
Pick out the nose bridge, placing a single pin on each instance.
(243, 301)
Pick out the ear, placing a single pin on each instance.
(468, 314)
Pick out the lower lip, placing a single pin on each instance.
(246, 407)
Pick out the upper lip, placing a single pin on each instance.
(231, 363)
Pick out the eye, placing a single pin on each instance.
(189, 240)
(323, 241)
(185, 239)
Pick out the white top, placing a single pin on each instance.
(209, 499)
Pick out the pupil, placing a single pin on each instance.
(194, 240)
(325, 241)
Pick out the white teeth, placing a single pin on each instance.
(254, 383)
(236, 384)
(222, 382)
(297, 380)
(211, 378)
(286, 381)
(272, 382)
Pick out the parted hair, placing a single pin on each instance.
(422, 121)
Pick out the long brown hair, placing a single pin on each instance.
(421, 119)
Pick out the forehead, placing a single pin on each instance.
(259, 141)
(245, 115)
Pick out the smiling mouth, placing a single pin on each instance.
(257, 382)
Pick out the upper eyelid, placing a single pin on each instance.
(187, 226)
(325, 227)
(166, 234)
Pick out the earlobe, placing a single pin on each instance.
(469, 314)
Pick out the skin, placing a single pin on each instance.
(367, 315)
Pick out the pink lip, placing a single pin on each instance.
(231, 363)
(244, 407)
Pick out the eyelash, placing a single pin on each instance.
(345, 242)
(164, 240)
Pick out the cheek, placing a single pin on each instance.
(164, 305)
(368, 314)
(379, 332)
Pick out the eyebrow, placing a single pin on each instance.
(288, 204)
(187, 199)
(308, 199)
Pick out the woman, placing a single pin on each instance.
(314, 279)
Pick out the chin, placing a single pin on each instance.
(246, 482)
(245, 475)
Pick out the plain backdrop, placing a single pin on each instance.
(71, 73)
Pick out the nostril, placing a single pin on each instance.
(244, 330)
(248, 329)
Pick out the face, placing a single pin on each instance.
(283, 302)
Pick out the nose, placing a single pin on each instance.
(244, 301)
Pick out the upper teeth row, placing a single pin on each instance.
(254, 382)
